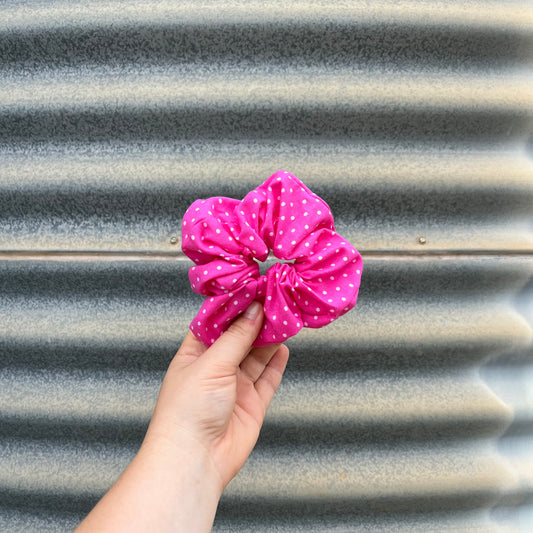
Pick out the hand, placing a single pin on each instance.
(206, 421)
(215, 399)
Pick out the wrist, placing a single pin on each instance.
(184, 454)
(183, 487)
(166, 488)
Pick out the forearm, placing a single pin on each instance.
(164, 489)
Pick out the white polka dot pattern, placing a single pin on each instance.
(225, 237)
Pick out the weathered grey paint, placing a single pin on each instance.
(413, 119)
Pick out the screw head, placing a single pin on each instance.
(422, 240)
(173, 240)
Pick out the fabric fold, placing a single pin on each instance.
(316, 283)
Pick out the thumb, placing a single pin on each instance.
(235, 343)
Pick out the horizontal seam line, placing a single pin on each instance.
(179, 256)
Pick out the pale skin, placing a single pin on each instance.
(205, 424)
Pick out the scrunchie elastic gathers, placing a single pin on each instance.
(226, 238)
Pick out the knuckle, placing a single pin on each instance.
(181, 360)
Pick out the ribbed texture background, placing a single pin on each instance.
(412, 119)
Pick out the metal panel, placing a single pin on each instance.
(413, 120)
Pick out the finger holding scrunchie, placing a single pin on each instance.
(226, 238)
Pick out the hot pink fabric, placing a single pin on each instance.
(226, 238)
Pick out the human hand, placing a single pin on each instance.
(206, 421)
(213, 400)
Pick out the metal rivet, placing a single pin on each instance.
(173, 240)
(421, 240)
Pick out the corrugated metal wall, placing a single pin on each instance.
(412, 119)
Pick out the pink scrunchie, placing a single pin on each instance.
(226, 238)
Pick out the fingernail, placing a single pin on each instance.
(253, 311)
